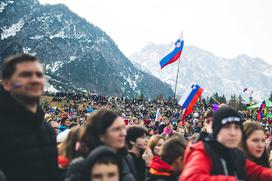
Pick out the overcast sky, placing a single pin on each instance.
(226, 28)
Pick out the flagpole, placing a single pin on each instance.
(176, 80)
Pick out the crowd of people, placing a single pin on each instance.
(89, 137)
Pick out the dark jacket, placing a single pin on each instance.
(160, 171)
(140, 166)
(28, 144)
(129, 172)
(2, 176)
(77, 169)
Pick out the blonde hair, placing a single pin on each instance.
(153, 141)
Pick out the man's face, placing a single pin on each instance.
(101, 172)
(141, 142)
(230, 135)
(27, 81)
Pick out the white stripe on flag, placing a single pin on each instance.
(185, 95)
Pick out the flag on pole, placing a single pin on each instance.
(190, 96)
(245, 89)
(261, 111)
(184, 114)
(175, 54)
(158, 115)
(189, 99)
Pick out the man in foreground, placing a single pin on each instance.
(28, 145)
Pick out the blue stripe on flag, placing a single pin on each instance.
(195, 89)
(172, 54)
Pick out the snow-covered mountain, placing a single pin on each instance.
(76, 54)
(213, 73)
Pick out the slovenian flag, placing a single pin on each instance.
(175, 54)
(189, 99)
(261, 111)
(158, 115)
(190, 96)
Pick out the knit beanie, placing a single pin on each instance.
(223, 116)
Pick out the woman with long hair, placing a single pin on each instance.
(154, 147)
(105, 127)
(68, 148)
(155, 144)
(254, 144)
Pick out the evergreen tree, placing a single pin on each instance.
(224, 100)
(241, 106)
(211, 101)
(216, 96)
(214, 99)
(233, 102)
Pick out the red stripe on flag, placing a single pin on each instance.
(173, 59)
(194, 100)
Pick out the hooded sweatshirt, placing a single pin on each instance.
(160, 171)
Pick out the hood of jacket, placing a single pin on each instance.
(160, 167)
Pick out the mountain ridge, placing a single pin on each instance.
(73, 50)
(214, 73)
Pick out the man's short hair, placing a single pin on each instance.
(134, 132)
(9, 64)
(173, 148)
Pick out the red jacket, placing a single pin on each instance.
(159, 167)
(160, 170)
(198, 166)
